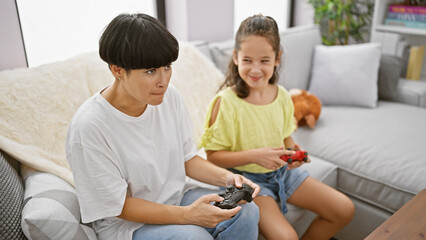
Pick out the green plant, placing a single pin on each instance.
(341, 20)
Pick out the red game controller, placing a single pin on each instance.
(298, 156)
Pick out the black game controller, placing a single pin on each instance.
(233, 195)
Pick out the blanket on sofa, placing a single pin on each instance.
(36, 104)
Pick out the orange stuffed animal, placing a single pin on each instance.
(307, 107)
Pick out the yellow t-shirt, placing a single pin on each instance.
(242, 126)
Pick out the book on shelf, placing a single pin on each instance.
(403, 23)
(407, 9)
(415, 62)
(407, 16)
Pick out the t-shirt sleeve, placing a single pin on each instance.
(289, 120)
(221, 134)
(100, 186)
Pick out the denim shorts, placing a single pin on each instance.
(279, 184)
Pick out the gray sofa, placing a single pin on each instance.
(374, 155)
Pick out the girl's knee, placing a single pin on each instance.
(349, 210)
(344, 211)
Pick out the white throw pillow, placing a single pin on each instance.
(51, 209)
(346, 75)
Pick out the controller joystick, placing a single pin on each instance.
(298, 156)
(233, 195)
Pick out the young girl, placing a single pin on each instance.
(249, 126)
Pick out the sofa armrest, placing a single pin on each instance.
(411, 92)
(11, 201)
(51, 209)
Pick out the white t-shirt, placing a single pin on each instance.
(112, 153)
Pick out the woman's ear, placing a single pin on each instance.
(278, 59)
(117, 71)
(235, 57)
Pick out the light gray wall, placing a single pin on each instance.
(193, 20)
(176, 18)
(210, 20)
(303, 13)
(12, 51)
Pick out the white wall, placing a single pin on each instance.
(303, 13)
(176, 18)
(212, 20)
(218, 20)
(192, 20)
(277, 9)
(12, 52)
(59, 29)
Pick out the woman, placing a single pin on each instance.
(130, 147)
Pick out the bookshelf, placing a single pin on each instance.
(391, 37)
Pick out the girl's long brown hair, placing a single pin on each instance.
(256, 25)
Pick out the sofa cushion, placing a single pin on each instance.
(389, 72)
(411, 92)
(37, 105)
(322, 170)
(51, 209)
(222, 54)
(346, 75)
(197, 79)
(298, 46)
(204, 48)
(380, 152)
(12, 195)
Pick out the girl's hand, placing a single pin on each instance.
(269, 157)
(297, 164)
(203, 213)
(238, 180)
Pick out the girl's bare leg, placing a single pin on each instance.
(272, 223)
(335, 210)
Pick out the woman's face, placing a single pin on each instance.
(256, 60)
(147, 86)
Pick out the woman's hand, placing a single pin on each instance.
(269, 157)
(296, 164)
(238, 180)
(203, 213)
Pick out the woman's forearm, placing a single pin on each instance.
(204, 171)
(143, 211)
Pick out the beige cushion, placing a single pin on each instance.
(37, 105)
(197, 80)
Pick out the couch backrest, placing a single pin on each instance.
(298, 49)
(298, 46)
(37, 105)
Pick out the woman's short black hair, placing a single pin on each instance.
(135, 41)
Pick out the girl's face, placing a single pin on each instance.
(146, 86)
(256, 60)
